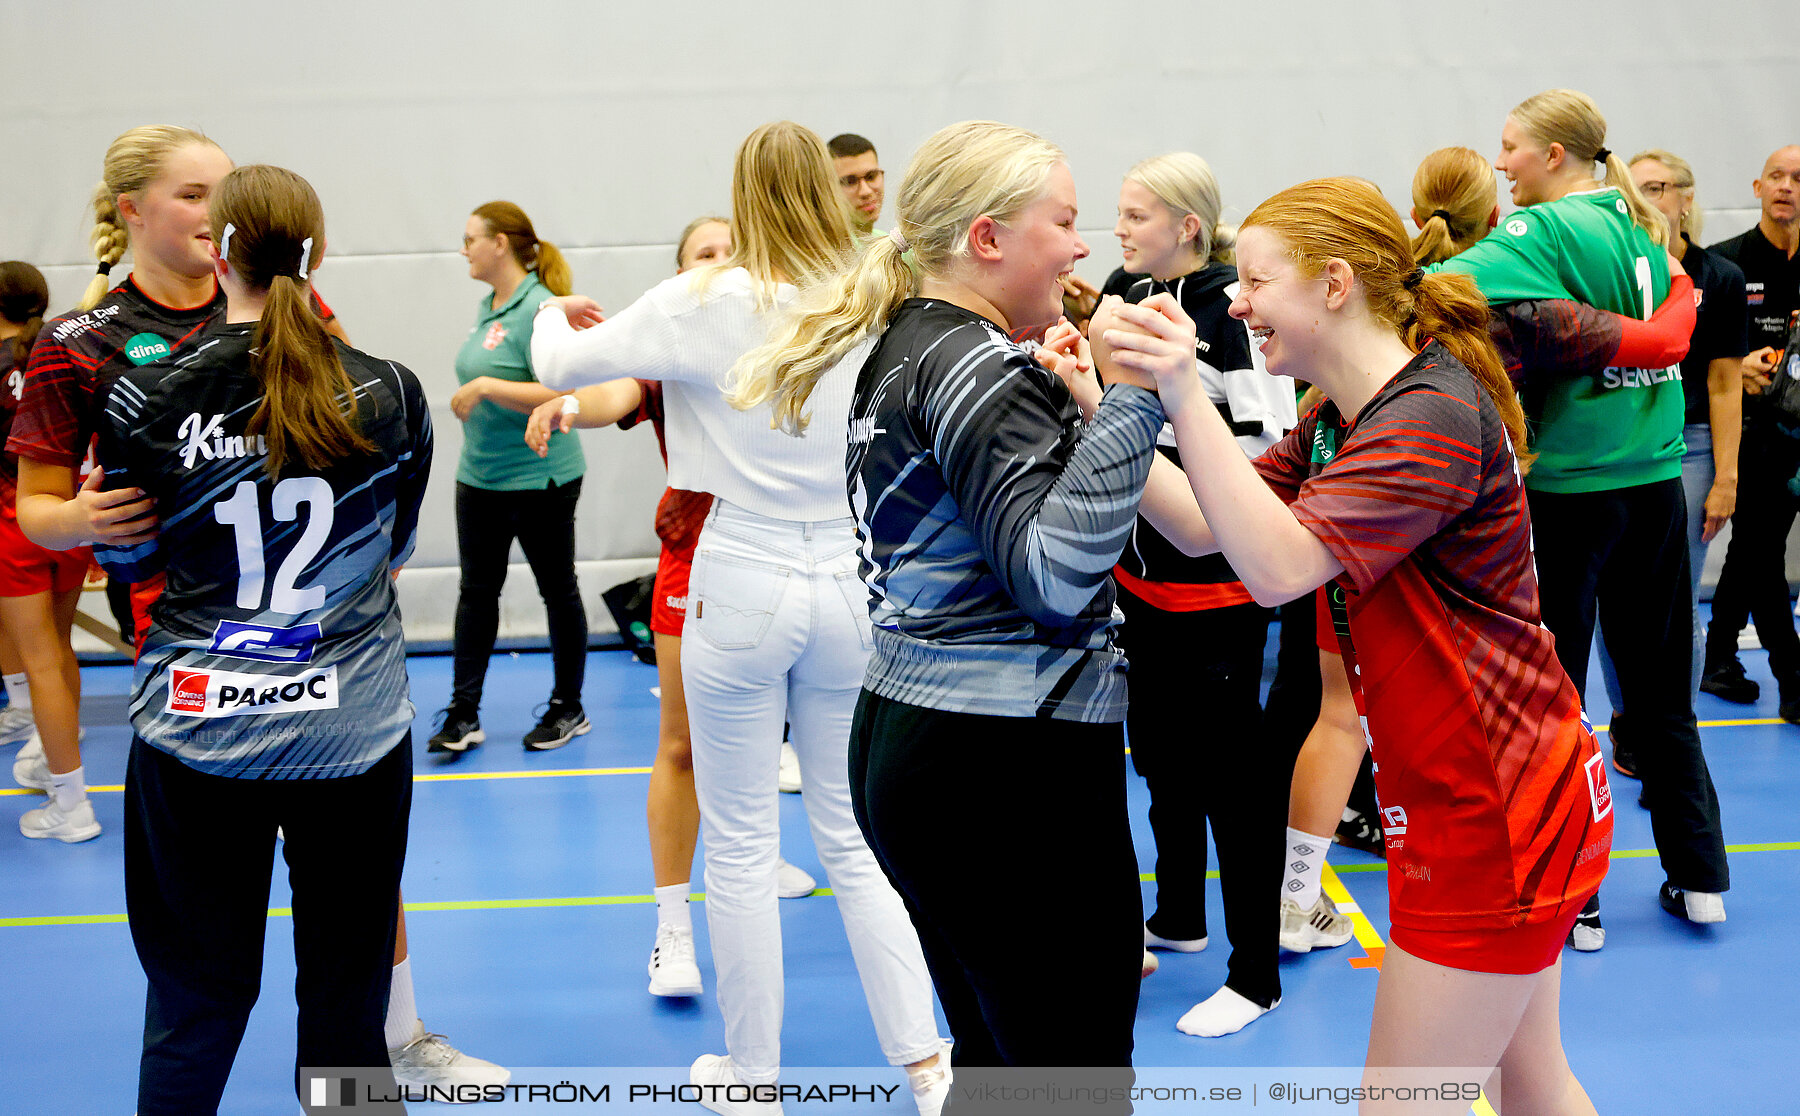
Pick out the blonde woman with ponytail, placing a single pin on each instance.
(990, 726)
(1500, 818)
(504, 490)
(1190, 620)
(152, 198)
(1606, 492)
(270, 690)
(776, 630)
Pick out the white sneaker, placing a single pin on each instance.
(1151, 964)
(722, 1090)
(789, 779)
(1174, 945)
(1695, 906)
(931, 1084)
(49, 820)
(673, 971)
(1317, 927)
(30, 769)
(429, 1060)
(792, 882)
(15, 724)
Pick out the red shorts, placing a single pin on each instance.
(27, 569)
(668, 608)
(143, 595)
(1520, 950)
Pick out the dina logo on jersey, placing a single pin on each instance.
(264, 643)
(143, 348)
(205, 439)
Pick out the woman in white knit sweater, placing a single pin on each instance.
(776, 608)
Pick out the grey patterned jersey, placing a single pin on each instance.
(275, 650)
(989, 519)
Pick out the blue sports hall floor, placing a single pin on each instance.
(530, 917)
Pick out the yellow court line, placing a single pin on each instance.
(588, 772)
(431, 777)
(1366, 934)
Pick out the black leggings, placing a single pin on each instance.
(1625, 552)
(1197, 738)
(543, 520)
(1753, 582)
(198, 853)
(1009, 842)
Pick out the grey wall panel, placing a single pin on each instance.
(613, 125)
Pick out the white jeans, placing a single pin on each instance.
(778, 631)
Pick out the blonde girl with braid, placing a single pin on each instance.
(152, 199)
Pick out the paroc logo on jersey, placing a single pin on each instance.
(224, 693)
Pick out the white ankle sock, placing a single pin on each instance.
(1223, 1013)
(18, 690)
(672, 906)
(1305, 865)
(69, 788)
(403, 1013)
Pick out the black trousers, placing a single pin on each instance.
(198, 854)
(1753, 583)
(543, 520)
(1009, 842)
(1295, 691)
(1624, 551)
(1197, 738)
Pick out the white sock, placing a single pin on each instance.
(1305, 866)
(403, 1014)
(1223, 1013)
(672, 906)
(69, 789)
(18, 691)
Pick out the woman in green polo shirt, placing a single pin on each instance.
(505, 491)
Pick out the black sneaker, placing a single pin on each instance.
(1624, 760)
(1587, 935)
(1727, 680)
(461, 731)
(1789, 710)
(1363, 833)
(561, 723)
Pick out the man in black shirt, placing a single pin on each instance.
(1754, 579)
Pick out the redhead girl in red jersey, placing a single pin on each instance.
(1404, 489)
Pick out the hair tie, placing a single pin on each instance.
(225, 241)
(1412, 281)
(1444, 213)
(105, 267)
(1602, 155)
(305, 254)
(899, 239)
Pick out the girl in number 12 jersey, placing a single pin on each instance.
(271, 689)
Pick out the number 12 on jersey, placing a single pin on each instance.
(241, 512)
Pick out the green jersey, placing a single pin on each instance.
(1622, 426)
(494, 453)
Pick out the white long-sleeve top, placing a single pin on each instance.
(690, 339)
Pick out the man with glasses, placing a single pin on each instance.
(861, 178)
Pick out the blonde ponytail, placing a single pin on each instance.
(553, 269)
(824, 323)
(132, 161)
(1647, 216)
(963, 172)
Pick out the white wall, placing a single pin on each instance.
(614, 125)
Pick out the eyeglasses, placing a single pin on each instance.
(852, 181)
(468, 240)
(1654, 189)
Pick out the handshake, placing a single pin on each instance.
(1149, 344)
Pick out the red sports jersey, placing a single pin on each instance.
(12, 389)
(79, 355)
(1494, 795)
(679, 514)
